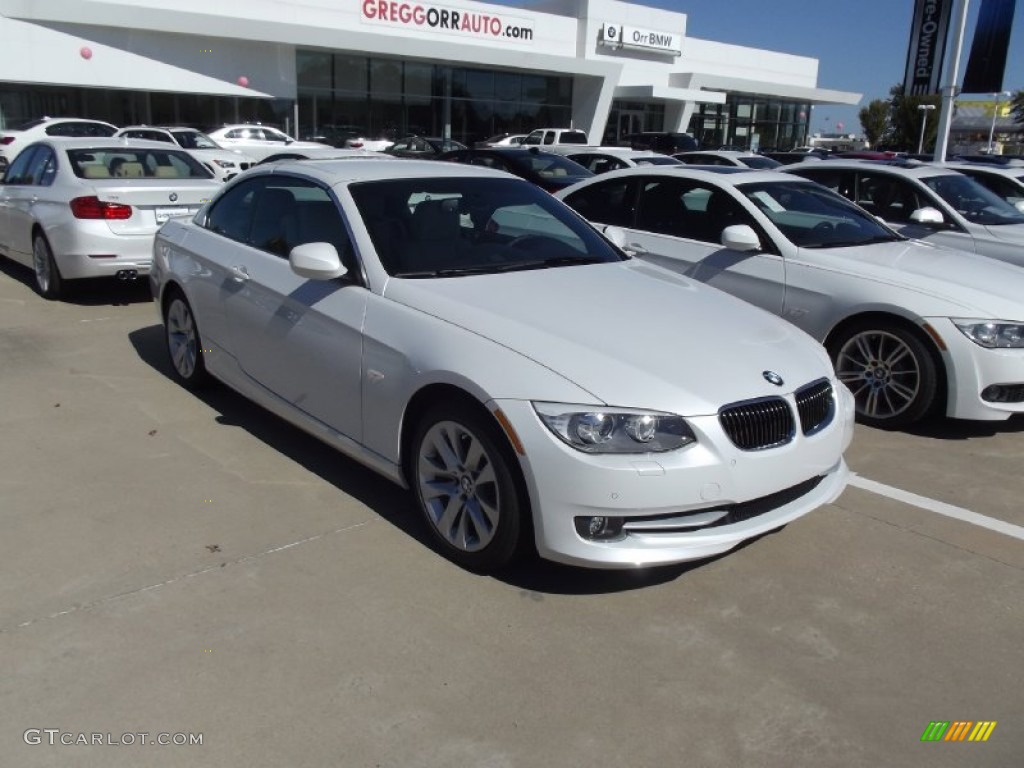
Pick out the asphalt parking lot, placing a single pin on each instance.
(181, 564)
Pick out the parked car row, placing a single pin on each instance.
(545, 369)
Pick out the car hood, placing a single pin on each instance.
(964, 283)
(630, 333)
(1010, 233)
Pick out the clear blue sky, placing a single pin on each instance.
(860, 46)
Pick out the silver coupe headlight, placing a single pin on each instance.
(615, 430)
(993, 334)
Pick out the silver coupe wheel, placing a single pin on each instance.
(184, 345)
(890, 372)
(458, 486)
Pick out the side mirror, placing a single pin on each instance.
(616, 235)
(927, 215)
(316, 261)
(741, 237)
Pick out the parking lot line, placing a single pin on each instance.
(940, 507)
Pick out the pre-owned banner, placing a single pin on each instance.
(987, 63)
(928, 34)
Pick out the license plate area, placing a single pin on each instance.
(163, 214)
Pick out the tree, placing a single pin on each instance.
(1017, 106)
(874, 119)
(905, 118)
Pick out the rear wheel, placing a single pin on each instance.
(890, 371)
(462, 471)
(49, 283)
(184, 346)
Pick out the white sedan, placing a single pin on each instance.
(83, 208)
(927, 202)
(465, 334)
(912, 328)
(265, 144)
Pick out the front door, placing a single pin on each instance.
(630, 121)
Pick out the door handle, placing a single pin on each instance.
(239, 274)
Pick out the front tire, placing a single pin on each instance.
(891, 373)
(462, 471)
(184, 345)
(49, 282)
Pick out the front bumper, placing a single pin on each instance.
(762, 490)
(971, 368)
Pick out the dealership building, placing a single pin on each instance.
(383, 67)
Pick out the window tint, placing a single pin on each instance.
(689, 209)
(811, 216)
(451, 226)
(277, 213)
(973, 201)
(608, 203)
(130, 162)
(19, 173)
(231, 215)
(888, 197)
(80, 129)
(43, 168)
(549, 137)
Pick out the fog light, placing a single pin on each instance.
(599, 528)
(1003, 393)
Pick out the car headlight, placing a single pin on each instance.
(615, 430)
(224, 163)
(992, 334)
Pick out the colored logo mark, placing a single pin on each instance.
(958, 730)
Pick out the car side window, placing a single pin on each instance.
(689, 209)
(549, 137)
(888, 197)
(43, 168)
(231, 215)
(19, 172)
(610, 202)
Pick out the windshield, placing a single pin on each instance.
(194, 140)
(760, 163)
(813, 216)
(547, 166)
(655, 160)
(448, 227)
(131, 163)
(973, 201)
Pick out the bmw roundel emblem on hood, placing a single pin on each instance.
(772, 378)
(173, 196)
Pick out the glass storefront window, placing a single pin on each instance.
(313, 69)
(351, 73)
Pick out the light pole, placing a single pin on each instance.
(997, 98)
(924, 109)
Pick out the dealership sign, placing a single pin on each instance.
(927, 47)
(636, 38)
(433, 17)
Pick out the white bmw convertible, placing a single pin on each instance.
(468, 336)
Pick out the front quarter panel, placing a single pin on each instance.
(406, 350)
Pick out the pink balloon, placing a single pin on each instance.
(802, 115)
(839, 126)
(85, 52)
(243, 81)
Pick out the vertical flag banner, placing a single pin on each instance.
(987, 63)
(928, 32)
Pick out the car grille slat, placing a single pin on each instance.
(755, 425)
(816, 406)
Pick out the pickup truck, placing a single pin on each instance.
(546, 136)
